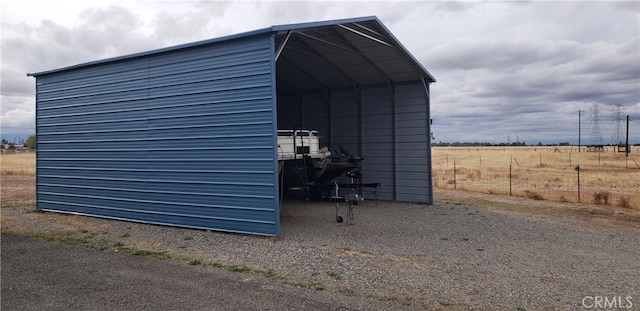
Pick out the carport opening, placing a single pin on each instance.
(342, 81)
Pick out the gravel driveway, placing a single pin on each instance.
(446, 256)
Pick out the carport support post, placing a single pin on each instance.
(360, 130)
(427, 92)
(358, 93)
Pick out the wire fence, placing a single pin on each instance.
(544, 173)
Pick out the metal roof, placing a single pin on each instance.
(343, 53)
(319, 55)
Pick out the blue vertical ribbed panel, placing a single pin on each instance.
(390, 130)
(345, 128)
(184, 137)
(412, 144)
(377, 139)
(288, 111)
(316, 115)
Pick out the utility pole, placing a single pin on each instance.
(580, 112)
(626, 144)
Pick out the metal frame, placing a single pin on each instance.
(365, 35)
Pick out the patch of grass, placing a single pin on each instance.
(347, 292)
(270, 274)
(85, 241)
(533, 195)
(159, 255)
(312, 285)
(195, 262)
(101, 245)
(624, 202)
(407, 301)
(297, 284)
(239, 268)
(214, 264)
(188, 238)
(445, 303)
(601, 197)
(334, 275)
(71, 241)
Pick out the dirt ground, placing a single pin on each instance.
(604, 214)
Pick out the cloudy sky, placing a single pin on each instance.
(506, 71)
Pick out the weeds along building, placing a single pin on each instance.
(187, 135)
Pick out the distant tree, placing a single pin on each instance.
(31, 142)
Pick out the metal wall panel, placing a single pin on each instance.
(413, 144)
(345, 120)
(377, 136)
(315, 115)
(184, 137)
(387, 125)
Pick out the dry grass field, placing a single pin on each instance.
(542, 173)
(18, 179)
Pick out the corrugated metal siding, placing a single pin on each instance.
(311, 113)
(345, 118)
(316, 115)
(288, 111)
(412, 135)
(182, 138)
(377, 140)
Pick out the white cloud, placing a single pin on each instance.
(17, 119)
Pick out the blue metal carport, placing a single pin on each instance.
(187, 135)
